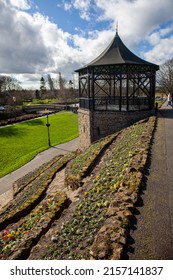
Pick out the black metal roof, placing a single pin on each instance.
(117, 53)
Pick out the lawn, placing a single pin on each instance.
(19, 143)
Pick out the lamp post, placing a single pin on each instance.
(48, 132)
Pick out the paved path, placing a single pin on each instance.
(152, 236)
(7, 181)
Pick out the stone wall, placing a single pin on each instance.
(98, 124)
(84, 123)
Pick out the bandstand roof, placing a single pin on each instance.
(117, 53)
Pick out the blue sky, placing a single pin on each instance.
(69, 17)
(51, 36)
(67, 20)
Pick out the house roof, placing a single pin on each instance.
(117, 53)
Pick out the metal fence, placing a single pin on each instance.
(116, 103)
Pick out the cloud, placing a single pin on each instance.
(162, 47)
(136, 19)
(31, 45)
(22, 48)
(83, 6)
(20, 4)
(89, 48)
(67, 6)
(36, 45)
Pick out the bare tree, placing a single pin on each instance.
(165, 77)
(8, 83)
(50, 83)
(62, 94)
(62, 82)
(8, 88)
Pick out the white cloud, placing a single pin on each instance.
(31, 45)
(21, 47)
(67, 6)
(21, 4)
(154, 39)
(82, 5)
(91, 47)
(136, 19)
(35, 45)
(161, 51)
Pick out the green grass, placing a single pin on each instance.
(19, 143)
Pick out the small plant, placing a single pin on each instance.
(78, 234)
(26, 200)
(79, 167)
(15, 232)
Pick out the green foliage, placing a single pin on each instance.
(14, 233)
(83, 163)
(106, 200)
(21, 142)
(27, 199)
(78, 234)
(22, 182)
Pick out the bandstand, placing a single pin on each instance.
(115, 90)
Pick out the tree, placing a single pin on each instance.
(50, 83)
(165, 77)
(66, 90)
(42, 87)
(62, 94)
(37, 94)
(8, 89)
(62, 82)
(8, 83)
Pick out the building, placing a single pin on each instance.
(115, 90)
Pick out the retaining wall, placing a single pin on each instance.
(94, 125)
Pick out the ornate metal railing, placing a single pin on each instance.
(116, 103)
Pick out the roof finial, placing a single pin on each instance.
(117, 28)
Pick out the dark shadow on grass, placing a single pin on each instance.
(35, 122)
(11, 131)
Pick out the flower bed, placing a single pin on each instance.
(99, 226)
(17, 239)
(21, 183)
(26, 200)
(80, 167)
(111, 238)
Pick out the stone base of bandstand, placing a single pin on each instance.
(94, 125)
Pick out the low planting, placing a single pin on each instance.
(98, 227)
(110, 240)
(22, 182)
(21, 142)
(26, 200)
(80, 167)
(15, 238)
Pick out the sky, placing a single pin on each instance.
(40, 37)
